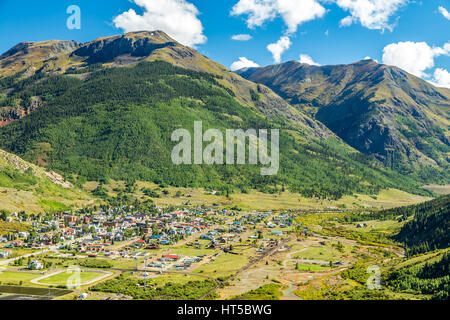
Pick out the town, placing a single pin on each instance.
(106, 241)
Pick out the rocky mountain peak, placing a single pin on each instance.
(134, 44)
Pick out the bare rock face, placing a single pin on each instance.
(140, 44)
(12, 113)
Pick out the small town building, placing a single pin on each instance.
(35, 265)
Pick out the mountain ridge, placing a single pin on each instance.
(378, 109)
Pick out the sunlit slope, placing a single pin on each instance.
(27, 187)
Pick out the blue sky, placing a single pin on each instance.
(402, 24)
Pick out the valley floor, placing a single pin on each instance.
(255, 200)
(306, 258)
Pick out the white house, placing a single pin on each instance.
(35, 265)
(5, 254)
(83, 296)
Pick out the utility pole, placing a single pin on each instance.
(145, 271)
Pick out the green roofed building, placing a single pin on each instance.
(277, 233)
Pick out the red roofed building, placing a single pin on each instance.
(172, 257)
(140, 242)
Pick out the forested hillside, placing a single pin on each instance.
(429, 228)
(118, 122)
(431, 278)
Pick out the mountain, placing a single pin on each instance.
(108, 108)
(27, 187)
(379, 110)
(126, 50)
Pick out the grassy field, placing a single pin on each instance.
(438, 189)
(325, 253)
(16, 277)
(224, 265)
(311, 267)
(255, 200)
(15, 200)
(336, 287)
(287, 200)
(266, 292)
(12, 227)
(18, 252)
(27, 187)
(387, 226)
(160, 280)
(191, 252)
(419, 259)
(124, 263)
(62, 278)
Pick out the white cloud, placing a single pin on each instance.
(414, 57)
(441, 78)
(241, 37)
(347, 21)
(178, 18)
(293, 12)
(278, 48)
(372, 14)
(257, 11)
(447, 47)
(304, 58)
(296, 12)
(444, 12)
(243, 62)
